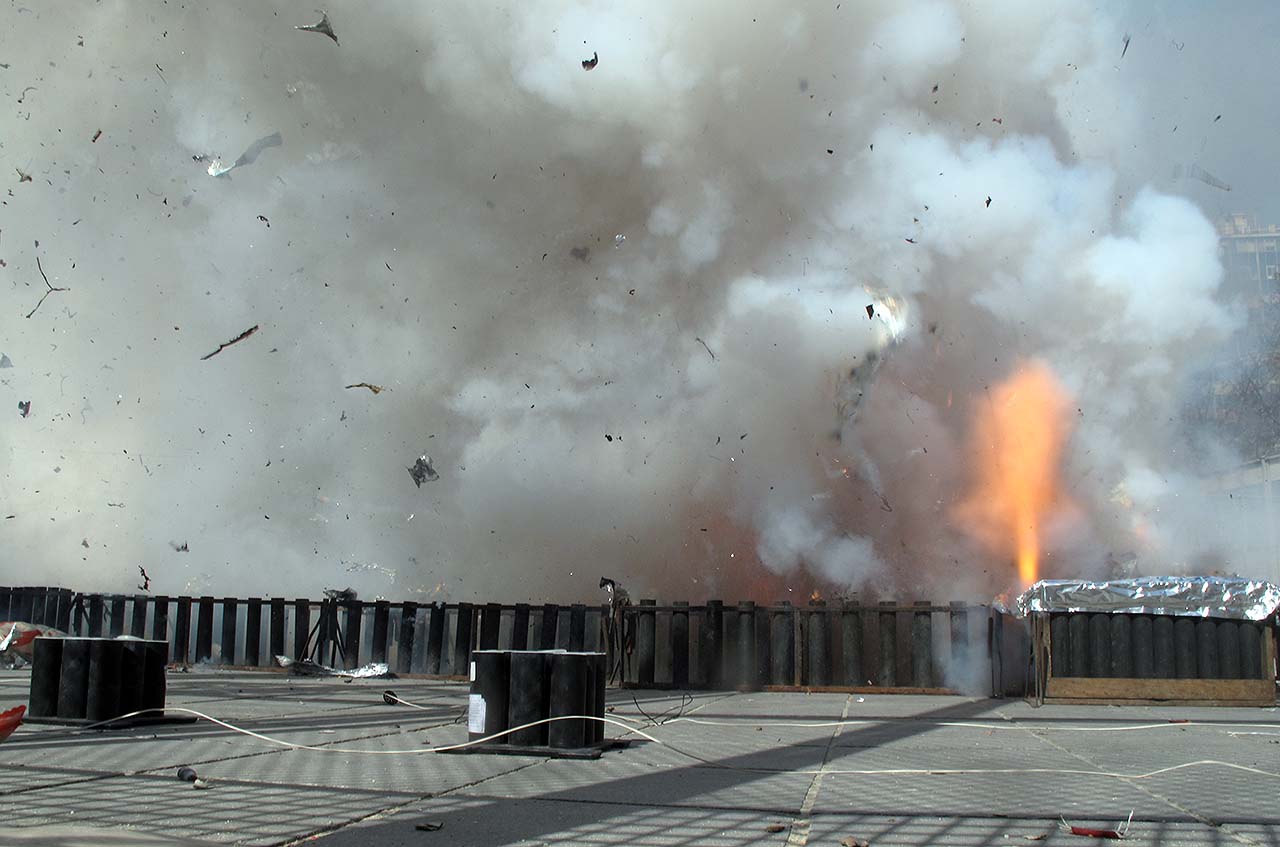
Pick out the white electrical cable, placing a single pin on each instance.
(829, 772)
(969, 725)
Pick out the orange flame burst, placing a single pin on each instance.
(1017, 443)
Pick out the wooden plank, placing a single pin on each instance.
(1254, 691)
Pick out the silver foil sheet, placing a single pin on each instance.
(1181, 596)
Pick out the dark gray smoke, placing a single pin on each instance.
(623, 310)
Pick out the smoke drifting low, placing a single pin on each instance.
(624, 311)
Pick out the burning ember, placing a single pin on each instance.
(1016, 445)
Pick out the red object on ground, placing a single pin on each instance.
(1095, 833)
(11, 720)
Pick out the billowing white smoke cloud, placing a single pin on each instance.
(624, 309)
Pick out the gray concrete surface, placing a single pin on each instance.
(816, 768)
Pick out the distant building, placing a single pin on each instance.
(1250, 256)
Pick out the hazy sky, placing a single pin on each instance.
(623, 309)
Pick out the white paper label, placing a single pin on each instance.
(475, 713)
(473, 671)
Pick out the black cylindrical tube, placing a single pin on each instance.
(782, 645)
(204, 630)
(549, 624)
(1144, 657)
(228, 656)
(381, 623)
(1229, 649)
(160, 618)
(46, 671)
(132, 662)
(1060, 645)
(462, 639)
(646, 642)
(435, 639)
(851, 645)
(407, 637)
(745, 665)
(95, 616)
(888, 676)
(490, 624)
(922, 647)
(138, 617)
(520, 627)
(253, 633)
(73, 685)
(1099, 645)
(764, 635)
(1162, 643)
(1078, 645)
(1184, 648)
(599, 681)
(275, 632)
(1251, 634)
(568, 697)
(1207, 664)
(577, 628)
(103, 700)
(488, 704)
(527, 698)
(818, 646)
(680, 645)
(155, 657)
(1121, 646)
(713, 644)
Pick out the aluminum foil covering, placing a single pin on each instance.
(1181, 596)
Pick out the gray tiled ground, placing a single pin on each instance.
(730, 769)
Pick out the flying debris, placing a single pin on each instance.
(48, 285)
(707, 348)
(1194, 171)
(324, 27)
(588, 64)
(241, 337)
(23, 176)
(376, 389)
(1126, 45)
(988, 202)
(342, 595)
(306, 667)
(180, 548)
(96, 136)
(5, 361)
(217, 166)
(146, 580)
(24, 408)
(421, 471)
(871, 311)
(263, 218)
